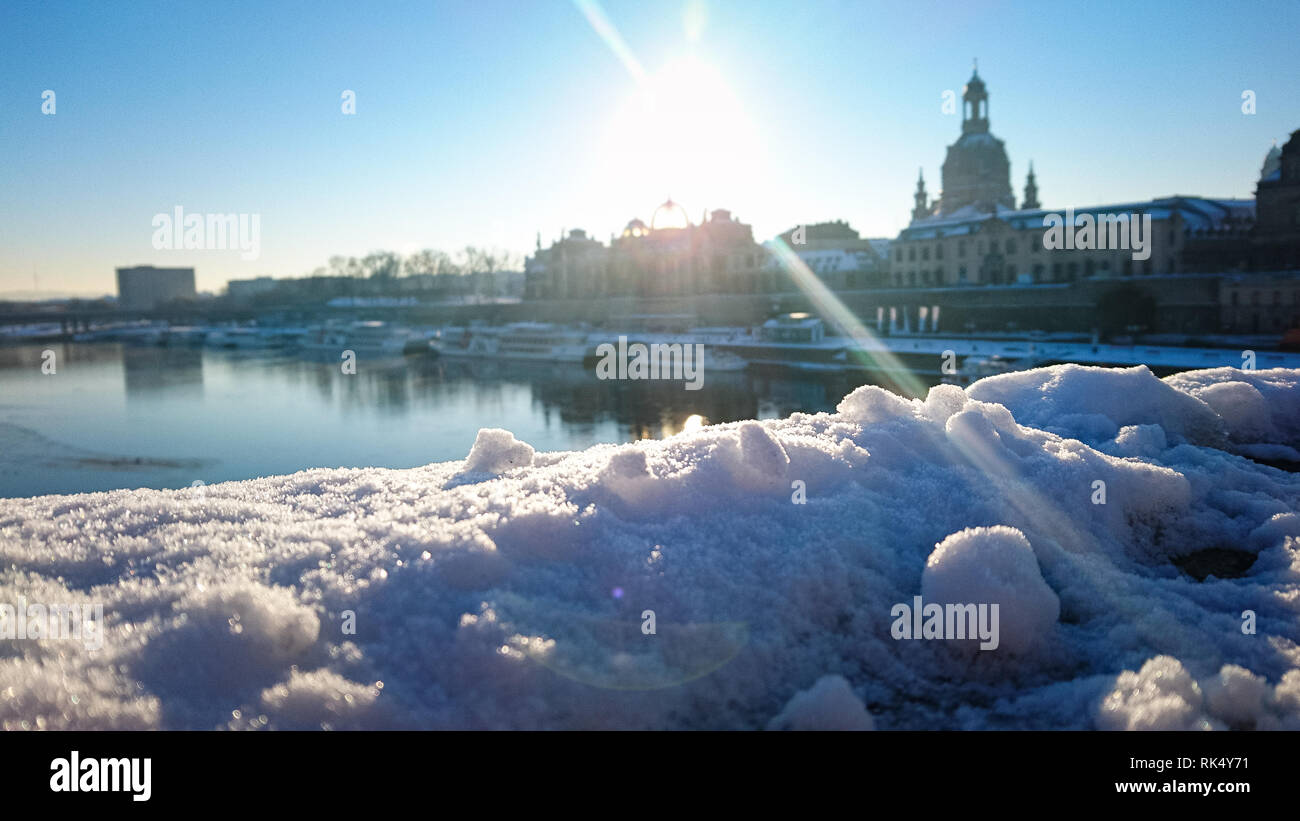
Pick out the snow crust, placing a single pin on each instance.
(830, 704)
(738, 576)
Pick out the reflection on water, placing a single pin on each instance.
(119, 416)
(148, 371)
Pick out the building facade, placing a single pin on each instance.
(145, 287)
(248, 290)
(670, 256)
(841, 258)
(1275, 240)
(1007, 246)
(974, 234)
(1260, 303)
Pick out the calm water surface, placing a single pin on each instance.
(116, 416)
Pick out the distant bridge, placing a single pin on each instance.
(76, 319)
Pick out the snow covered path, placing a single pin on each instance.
(511, 590)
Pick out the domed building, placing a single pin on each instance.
(676, 257)
(1275, 240)
(635, 228)
(1272, 163)
(976, 171)
(669, 257)
(669, 215)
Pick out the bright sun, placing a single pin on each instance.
(682, 133)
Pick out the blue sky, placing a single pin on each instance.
(486, 122)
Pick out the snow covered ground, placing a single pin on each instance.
(511, 590)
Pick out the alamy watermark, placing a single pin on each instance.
(179, 231)
(83, 622)
(654, 361)
(1116, 232)
(77, 774)
(945, 621)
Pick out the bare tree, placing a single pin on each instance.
(482, 265)
(429, 261)
(381, 265)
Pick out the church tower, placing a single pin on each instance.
(976, 172)
(1031, 190)
(922, 208)
(975, 106)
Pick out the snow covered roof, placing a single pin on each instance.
(1198, 214)
(678, 583)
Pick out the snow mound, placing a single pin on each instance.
(1092, 404)
(1256, 406)
(994, 565)
(830, 704)
(497, 451)
(1161, 696)
(704, 580)
(1164, 696)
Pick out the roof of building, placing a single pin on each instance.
(1198, 214)
(880, 245)
(669, 215)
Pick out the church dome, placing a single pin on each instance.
(976, 171)
(1272, 162)
(669, 215)
(636, 228)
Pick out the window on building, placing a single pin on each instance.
(1011, 246)
(1035, 245)
(1038, 273)
(1056, 272)
(961, 247)
(1072, 271)
(925, 252)
(938, 251)
(911, 254)
(1089, 268)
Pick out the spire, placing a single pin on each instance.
(975, 105)
(1031, 190)
(922, 208)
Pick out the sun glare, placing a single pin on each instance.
(682, 132)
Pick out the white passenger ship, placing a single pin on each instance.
(364, 338)
(518, 340)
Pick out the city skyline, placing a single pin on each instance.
(487, 126)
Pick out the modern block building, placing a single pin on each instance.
(145, 287)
